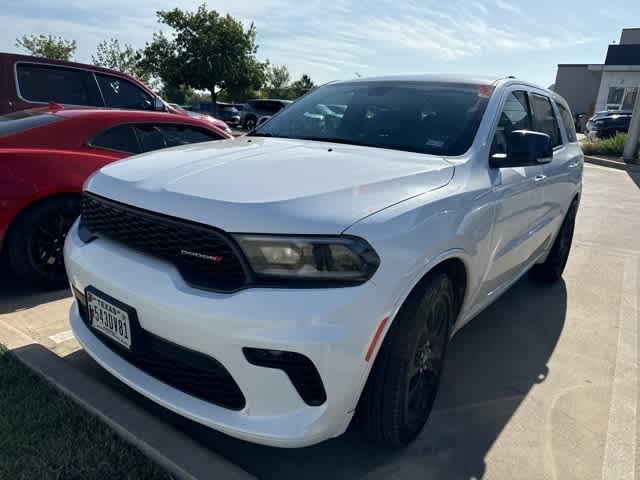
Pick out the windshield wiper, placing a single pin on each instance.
(343, 141)
(257, 134)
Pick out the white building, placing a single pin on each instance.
(590, 88)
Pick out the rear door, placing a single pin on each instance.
(7, 91)
(548, 211)
(563, 173)
(38, 84)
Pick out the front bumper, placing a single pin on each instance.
(332, 327)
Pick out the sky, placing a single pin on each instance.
(342, 39)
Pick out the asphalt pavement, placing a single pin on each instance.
(542, 385)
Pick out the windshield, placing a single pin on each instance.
(435, 118)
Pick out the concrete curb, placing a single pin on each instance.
(605, 162)
(168, 447)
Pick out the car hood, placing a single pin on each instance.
(268, 185)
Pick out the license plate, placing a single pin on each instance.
(109, 319)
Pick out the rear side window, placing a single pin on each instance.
(544, 120)
(567, 121)
(154, 137)
(39, 83)
(150, 137)
(121, 138)
(120, 93)
(515, 115)
(21, 121)
(182, 135)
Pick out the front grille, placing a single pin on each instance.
(205, 257)
(191, 372)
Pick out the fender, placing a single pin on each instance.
(433, 262)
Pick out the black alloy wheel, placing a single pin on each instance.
(36, 241)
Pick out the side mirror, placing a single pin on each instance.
(525, 148)
(158, 104)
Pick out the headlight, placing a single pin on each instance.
(343, 259)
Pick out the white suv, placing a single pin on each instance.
(276, 285)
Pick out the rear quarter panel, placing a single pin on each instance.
(30, 175)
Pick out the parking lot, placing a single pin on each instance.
(542, 385)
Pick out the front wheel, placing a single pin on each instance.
(551, 270)
(404, 381)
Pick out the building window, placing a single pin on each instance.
(629, 98)
(621, 98)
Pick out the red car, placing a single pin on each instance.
(46, 155)
(28, 82)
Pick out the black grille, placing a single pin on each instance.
(204, 256)
(191, 372)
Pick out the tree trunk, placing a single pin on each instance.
(214, 105)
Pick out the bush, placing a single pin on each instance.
(612, 146)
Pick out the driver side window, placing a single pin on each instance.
(119, 93)
(516, 115)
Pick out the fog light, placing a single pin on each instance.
(301, 371)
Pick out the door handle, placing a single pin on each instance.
(539, 178)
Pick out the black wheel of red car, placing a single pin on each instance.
(36, 241)
(405, 378)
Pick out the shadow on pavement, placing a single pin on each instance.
(492, 364)
(16, 296)
(635, 176)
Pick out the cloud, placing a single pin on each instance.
(327, 40)
(508, 6)
(483, 8)
(452, 38)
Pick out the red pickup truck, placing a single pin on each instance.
(28, 82)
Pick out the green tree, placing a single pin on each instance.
(278, 76)
(48, 46)
(302, 86)
(277, 80)
(207, 51)
(110, 54)
(183, 95)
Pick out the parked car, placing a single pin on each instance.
(607, 123)
(28, 82)
(45, 156)
(316, 268)
(226, 112)
(229, 114)
(254, 109)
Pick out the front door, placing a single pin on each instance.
(517, 198)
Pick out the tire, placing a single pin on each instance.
(404, 380)
(250, 123)
(36, 238)
(551, 270)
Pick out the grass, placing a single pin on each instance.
(44, 435)
(610, 147)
